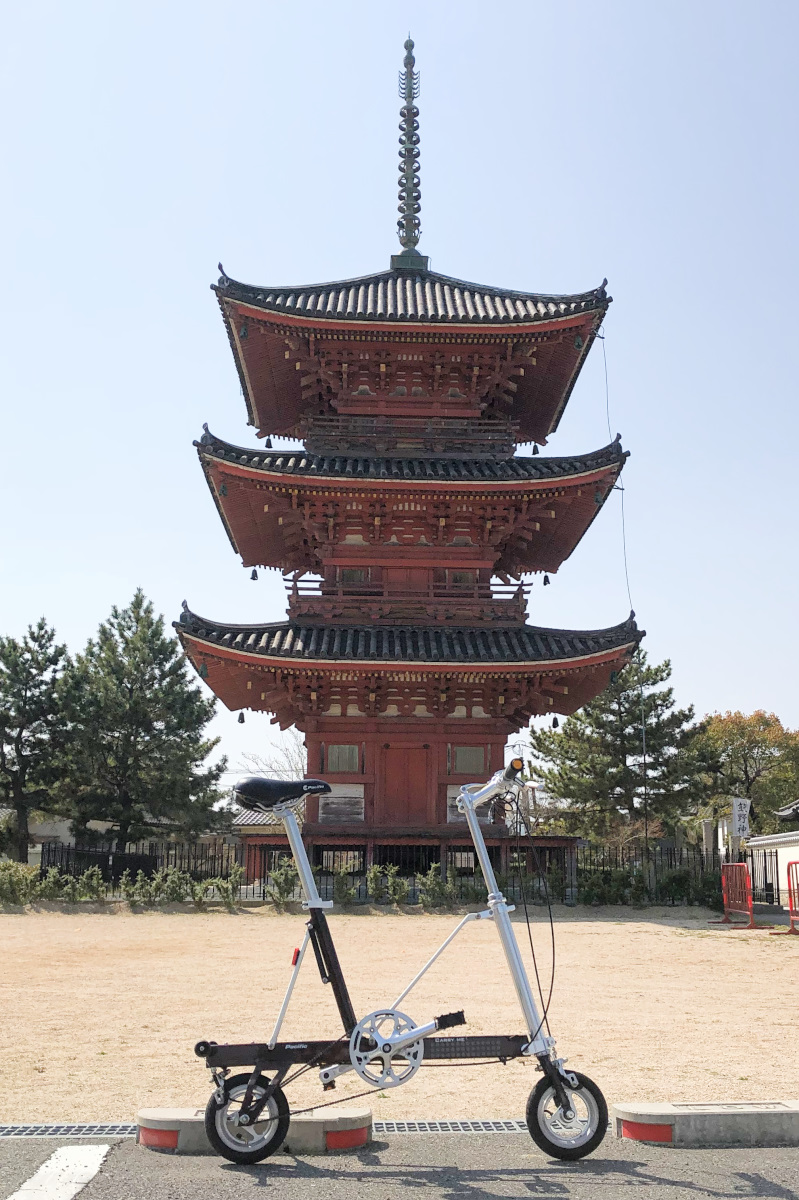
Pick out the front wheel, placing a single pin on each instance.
(562, 1138)
(246, 1143)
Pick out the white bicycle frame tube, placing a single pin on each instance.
(289, 990)
(307, 881)
(469, 917)
(499, 911)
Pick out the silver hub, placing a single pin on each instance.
(231, 1127)
(572, 1129)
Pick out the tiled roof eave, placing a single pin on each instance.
(290, 645)
(491, 327)
(430, 666)
(476, 306)
(365, 470)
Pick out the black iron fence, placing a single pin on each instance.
(199, 860)
(764, 872)
(587, 874)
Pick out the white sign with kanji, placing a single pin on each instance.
(740, 816)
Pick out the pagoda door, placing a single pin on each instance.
(405, 785)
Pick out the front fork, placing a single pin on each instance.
(559, 1078)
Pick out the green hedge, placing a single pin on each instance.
(628, 885)
(23, 884)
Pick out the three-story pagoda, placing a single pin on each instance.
(405, 525)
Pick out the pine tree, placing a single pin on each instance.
(33, 728)
(603, 769)
(139, 750)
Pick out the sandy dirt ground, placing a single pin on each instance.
(99, 1011)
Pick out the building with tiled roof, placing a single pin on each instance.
(408, 530)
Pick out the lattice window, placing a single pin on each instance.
(342, 758)
(468, 760)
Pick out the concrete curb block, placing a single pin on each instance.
(318, 1132)
(182, 1130)
(736, 1123)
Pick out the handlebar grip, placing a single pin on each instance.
(513, 768)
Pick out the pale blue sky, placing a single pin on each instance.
(561, 143)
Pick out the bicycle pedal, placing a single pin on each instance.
(450, 1020)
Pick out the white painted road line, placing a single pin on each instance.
(65, 1173)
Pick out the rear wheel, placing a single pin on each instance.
(246, 1143)
(576, 1136)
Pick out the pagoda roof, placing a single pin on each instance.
(572, 490)
(294, 349)
(402, 295)
(319, 643)
(539, 468)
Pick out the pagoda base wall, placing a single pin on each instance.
(406, 770)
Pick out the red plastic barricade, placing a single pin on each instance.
(793, 901)
(736, 887)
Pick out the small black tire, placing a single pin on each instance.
(266, 1140)
(567, 1140)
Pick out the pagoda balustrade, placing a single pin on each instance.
(435, 603)
(439, 437)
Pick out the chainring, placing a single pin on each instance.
(380, 1067)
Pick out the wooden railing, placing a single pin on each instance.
(373, 602)
(442, 436)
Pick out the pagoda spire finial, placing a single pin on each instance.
(409, 226)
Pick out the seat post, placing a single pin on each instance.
(307, 881)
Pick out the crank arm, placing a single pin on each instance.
(392, 1045)
(446, 1021)
(328, 1074)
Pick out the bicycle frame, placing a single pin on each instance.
(387, 1047)
(334, 1057)
(499, 910)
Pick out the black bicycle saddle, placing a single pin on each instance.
(256, 792)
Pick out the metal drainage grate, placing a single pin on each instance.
(384, 1127)
(449, 1127)
(68, 1131)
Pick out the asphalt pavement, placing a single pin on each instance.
(441, 1166)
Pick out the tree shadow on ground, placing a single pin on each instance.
(589, 1178)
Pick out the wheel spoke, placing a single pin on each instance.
(246, 1137)
(579, 1128)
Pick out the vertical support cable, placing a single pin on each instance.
(630, 599)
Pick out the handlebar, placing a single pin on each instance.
(497, 784)
(512, 770)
